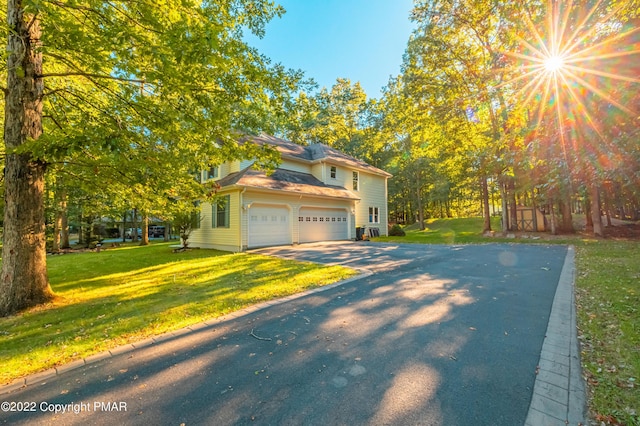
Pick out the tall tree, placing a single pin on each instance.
(23, 280)
(76, 72)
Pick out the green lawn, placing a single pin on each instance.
(445, 231)
(126, 294)
(608, 300)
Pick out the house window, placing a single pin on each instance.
(212, 173)
(333, 172)
(196, 175)
(374, 215)
(355, 181)
(221, 209)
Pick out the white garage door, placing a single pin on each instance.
(317, 224)
(268, 226)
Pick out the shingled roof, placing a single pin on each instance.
(314, 153)
(287, 181)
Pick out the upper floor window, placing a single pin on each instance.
(333, 172)
(212, 173)
(355, 181)
(374, 215)
(221, 212)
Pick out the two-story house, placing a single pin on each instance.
(316, 194)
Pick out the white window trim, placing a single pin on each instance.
(355, 179)
(216, 173)
(227, 211)
(374, 214)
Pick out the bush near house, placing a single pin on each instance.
(396, 231)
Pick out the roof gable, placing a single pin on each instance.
(314, 153)
(287, 181)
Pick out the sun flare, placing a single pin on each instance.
(571, 64)
(554, 63)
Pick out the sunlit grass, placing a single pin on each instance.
(126, 294)
(608, 297)
(446, 231)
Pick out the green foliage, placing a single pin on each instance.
(137, 95)
(396, 231)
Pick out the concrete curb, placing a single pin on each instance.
(45, 375)
(559, 393)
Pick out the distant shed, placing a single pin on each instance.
(530, 221)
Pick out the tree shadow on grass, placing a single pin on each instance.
(99, 312)
(452, 340)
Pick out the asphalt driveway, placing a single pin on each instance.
(430, 335)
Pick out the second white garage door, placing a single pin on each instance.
(318, 224)
(268, 226)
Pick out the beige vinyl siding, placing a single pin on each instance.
(343, 177)
(224, 170)
(296, 166)
(318, 171)
(237, 165)
(227, 239)
(372, 191)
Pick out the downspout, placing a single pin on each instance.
(241, 206)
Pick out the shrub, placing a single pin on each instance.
(396, 231)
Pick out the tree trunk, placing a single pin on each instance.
(596, 217)
(64, 225)
(485, 205)
(167, 230)
(420, 212)
(134, 231)
(57, 227)
(144, 240)
(513, 211)
(567, 218)
(607, 207)
(587, 214)
(23, 280)
(87, 231)
(124, 227)
(505, 209)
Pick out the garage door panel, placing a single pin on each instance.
(318, 224)
(268, 226)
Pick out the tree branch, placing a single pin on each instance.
(89, 75)
(76, 7)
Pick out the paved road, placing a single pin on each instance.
(433, 335)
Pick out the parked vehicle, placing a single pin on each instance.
(156, 231)
(129, 233)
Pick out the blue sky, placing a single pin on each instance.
(362, 40)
